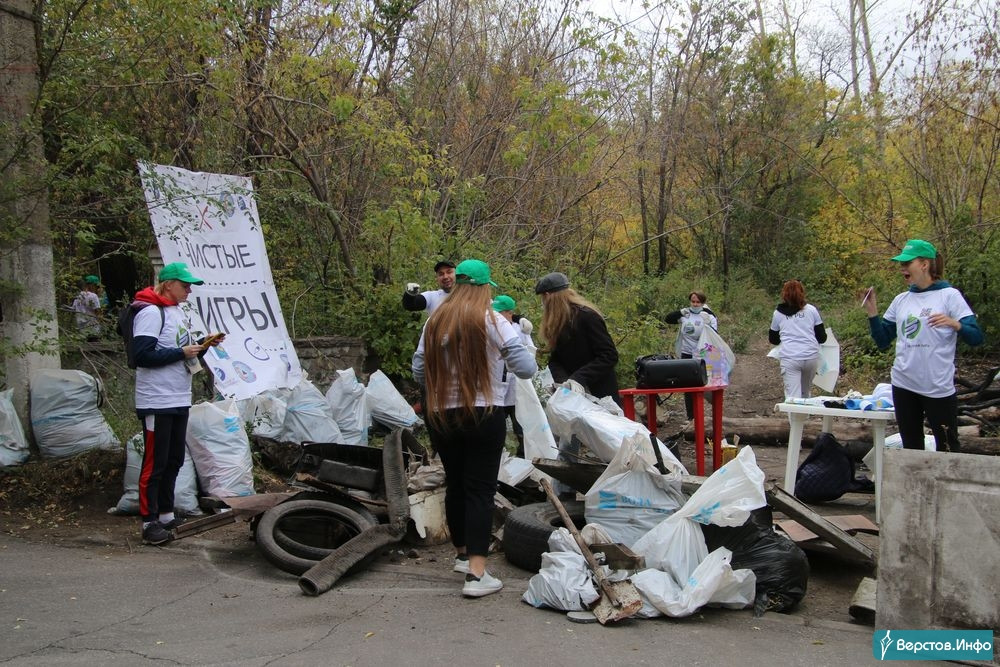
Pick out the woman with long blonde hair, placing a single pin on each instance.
(580, 347)
(464, 355)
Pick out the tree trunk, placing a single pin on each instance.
(27, 292)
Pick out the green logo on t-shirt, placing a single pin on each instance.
(911, 327)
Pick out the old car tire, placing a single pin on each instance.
(527, 528)
(280, 530)
(311, 546)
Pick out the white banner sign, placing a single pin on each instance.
(210, 222)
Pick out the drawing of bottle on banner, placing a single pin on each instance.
(210, 222)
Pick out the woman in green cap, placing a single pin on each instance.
(161, 344)
(464, 351)
(926, 320)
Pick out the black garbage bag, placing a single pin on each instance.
(781, 567)
(828, 472)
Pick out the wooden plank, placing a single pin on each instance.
(189, 528)
(847, 545)
(849, 523)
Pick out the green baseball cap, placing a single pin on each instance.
(502, 303)
(473, 272)
(915, 248)
(92, 280)
(179, 271)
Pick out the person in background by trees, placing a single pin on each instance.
(798, 328)
(580, 347)
(464, 351)
(87, 306)
(505, 305)
(691, 320)
(414, 300)
(161, 344)
(926, 320)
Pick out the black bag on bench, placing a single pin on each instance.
(657, 371)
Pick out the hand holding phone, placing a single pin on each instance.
(212, 340)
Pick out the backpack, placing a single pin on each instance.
(125, 326)
(828, 473)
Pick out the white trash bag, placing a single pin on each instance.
(220, 449)
(346, 398)
(266, 411)
(563, 582)
(713, 582)
(538, 440)
(631, 497)
(64, 413)
(572, 413)
(185, 489)
(386, 405)
(308, 417)
(13, 443)
(677, 545)
(513, 469)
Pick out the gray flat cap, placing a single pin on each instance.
(551, 282)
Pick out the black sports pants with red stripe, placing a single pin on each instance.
(163, 434)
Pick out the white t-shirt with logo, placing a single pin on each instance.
(925, 355)
(166, 386)
(798, 333)
(690, 329)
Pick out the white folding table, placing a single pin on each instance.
(797, 414)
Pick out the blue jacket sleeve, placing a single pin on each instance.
(148, 355)
(883, 331)
(970, 332)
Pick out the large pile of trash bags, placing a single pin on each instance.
(716, 547)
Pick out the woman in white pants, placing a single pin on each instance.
(797, 327)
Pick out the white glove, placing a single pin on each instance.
(685, 311)
(526, 325)
(413, 288)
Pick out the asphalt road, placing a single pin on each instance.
(201, 601)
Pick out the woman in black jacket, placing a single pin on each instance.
(580, 347)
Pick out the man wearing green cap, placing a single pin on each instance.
(505, 305)
(87, 306)
(161, 343)
(926, 320)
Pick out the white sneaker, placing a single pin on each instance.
(477, 587)
(461, 564)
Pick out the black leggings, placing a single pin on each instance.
(470, 451)
(941, 414)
